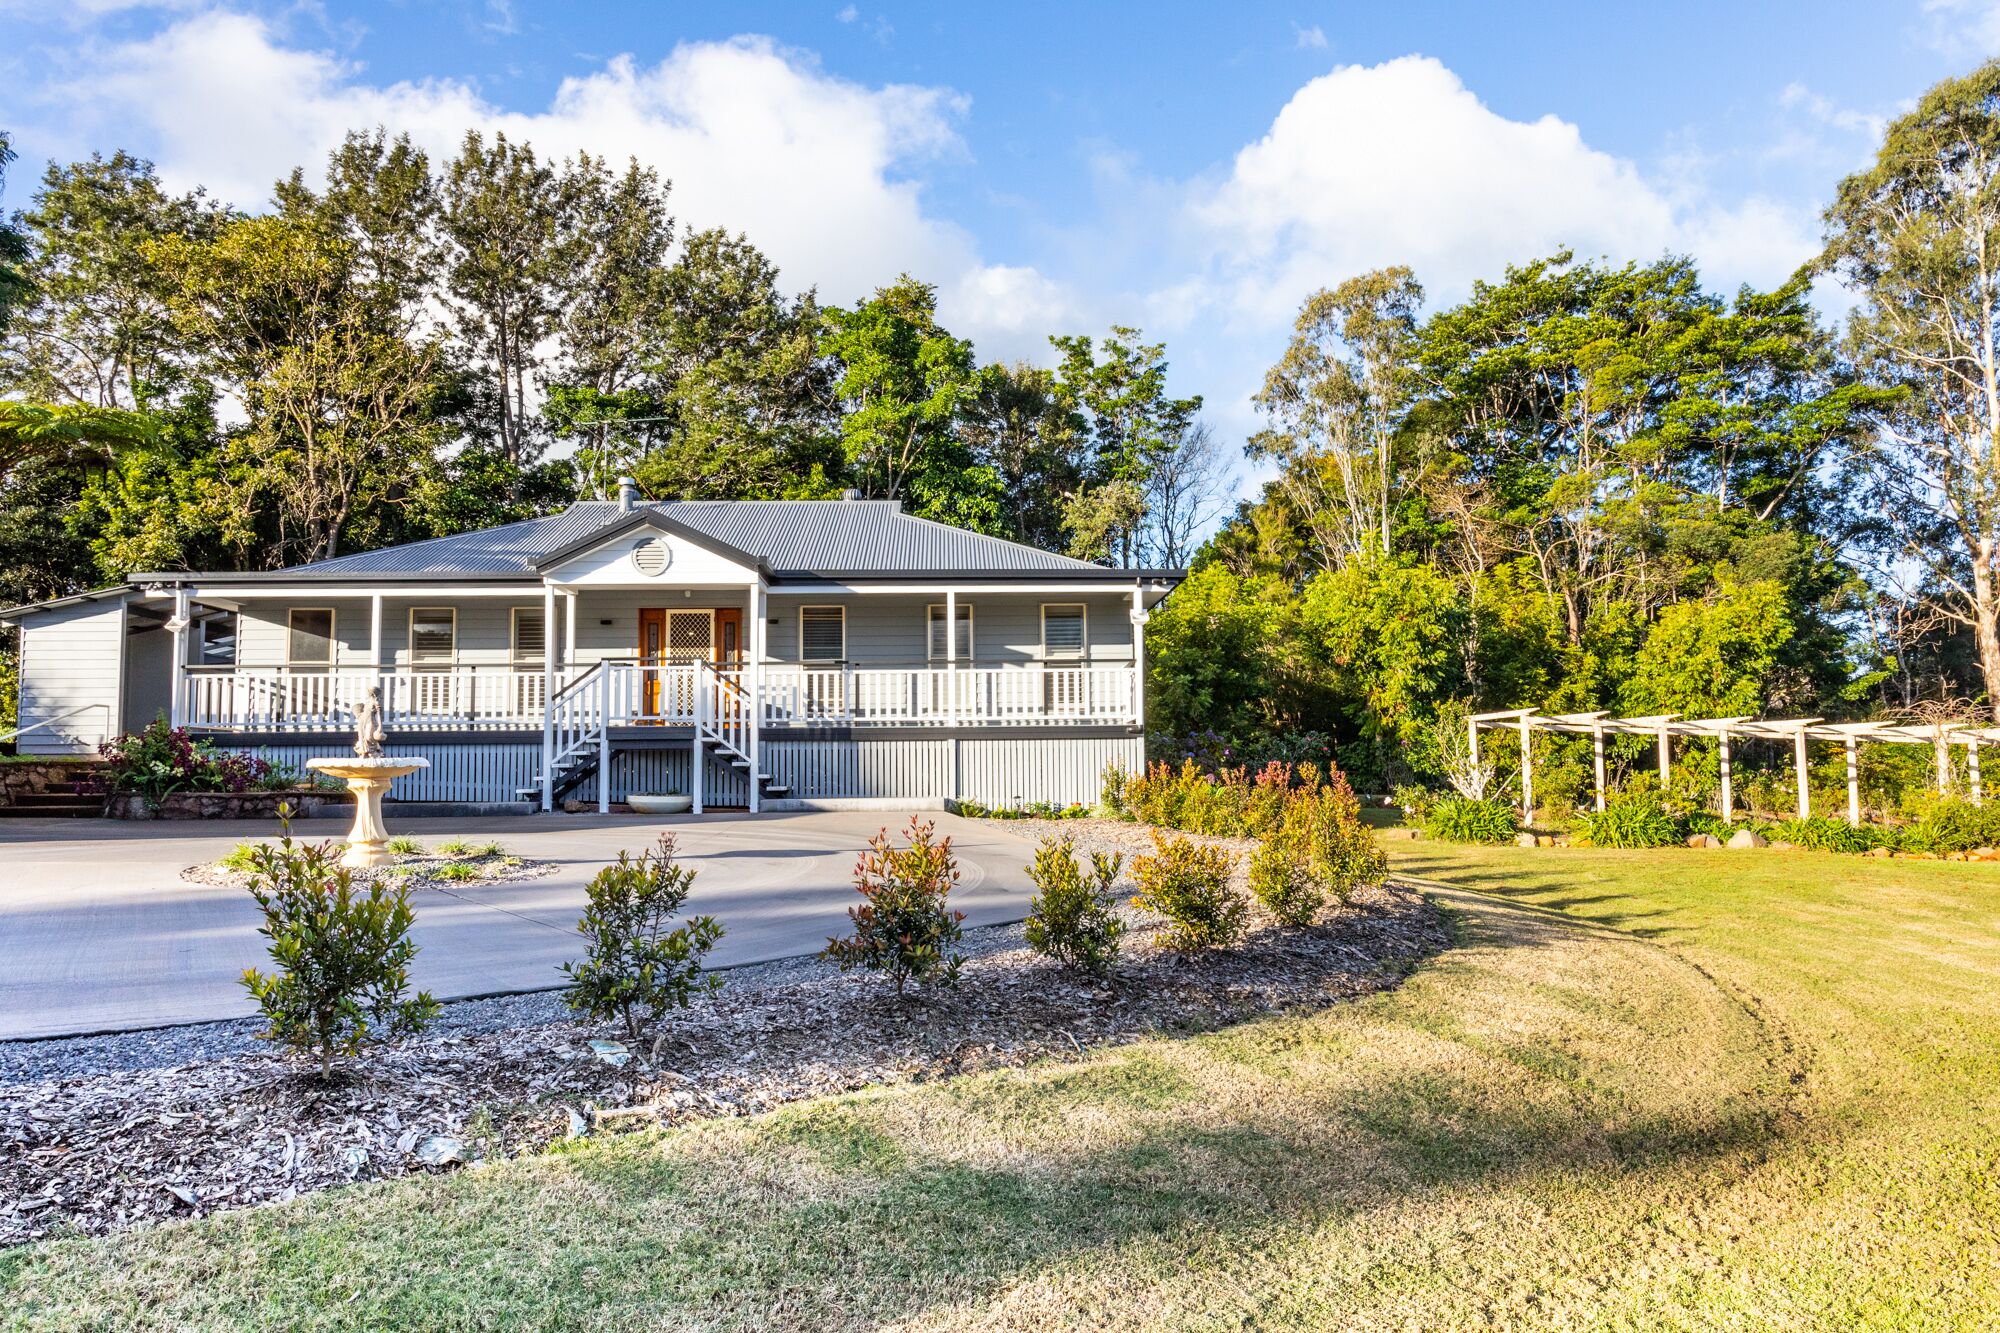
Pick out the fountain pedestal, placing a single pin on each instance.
(368, 779)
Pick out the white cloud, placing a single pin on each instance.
(847, 14)
(1400, 163)
(1309, 39)
(755, 137)
(1963, 28)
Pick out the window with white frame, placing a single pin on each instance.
(822, 633)
(530, 634)
(309, 636)
(433, 636)
(936, 636)
(217, 639)
(1064, 627)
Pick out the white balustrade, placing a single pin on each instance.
(675, 694)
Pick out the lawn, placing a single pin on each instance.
(1652, 1090)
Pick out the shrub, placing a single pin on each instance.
(458, 872)
(1281, 879)
(164, 759)
(1821, 834)
(404, 845)
(1457, 819)
(456, 847)
(485, 849)
(1707, 821)
(1948, 824)
(1111, 797)
(343, 956)
(1324, 821)
(1067, 919)
(638, 965)
(242, 857)
(1188, 884)
(1635, 820)
(1415, 802)
(903, 925)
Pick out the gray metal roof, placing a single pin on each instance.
(797, 538)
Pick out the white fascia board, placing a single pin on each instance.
(253, 592)
(981, 588)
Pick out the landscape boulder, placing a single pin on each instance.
(1524, 840)
(1703, 840)
(1744, 837)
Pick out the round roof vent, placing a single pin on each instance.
(652, 556)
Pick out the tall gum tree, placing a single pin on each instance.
(1917, 237)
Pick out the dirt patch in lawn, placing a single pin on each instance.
(121, 1149)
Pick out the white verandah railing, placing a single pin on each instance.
(678, 694)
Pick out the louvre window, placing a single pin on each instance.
(822, 633)
(310, 637)
(433, 636)
(1062, 631)
(529, 634)
(964, 632)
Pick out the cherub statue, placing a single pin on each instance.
(368, 725)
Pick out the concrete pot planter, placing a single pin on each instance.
(647, 804)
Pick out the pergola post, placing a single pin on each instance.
(1597, 765)
(1943, 762)
(1853, 786)
(1799, 768)
(1972, 770)
(1666, 757)
(1527, 772)
(1472, 741)
(1728, 790)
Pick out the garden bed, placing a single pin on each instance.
(139, 1140)
(440, 866)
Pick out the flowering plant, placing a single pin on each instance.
(164, 759)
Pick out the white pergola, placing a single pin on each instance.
(1801, 731)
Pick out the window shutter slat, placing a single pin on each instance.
(822, 633)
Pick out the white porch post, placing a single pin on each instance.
(1527, 772)
(951, 678)
(697, 757)
(548, 697)
(1139, 666)
(1799, 770)
(1597, 765)
(753, 681)
(569, 630)
(177, 704)
(604, 739)
(375, 630)
(1853, 786)
(1728, 791)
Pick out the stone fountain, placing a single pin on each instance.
(368, 776)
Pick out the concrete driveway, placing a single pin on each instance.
(99, 932)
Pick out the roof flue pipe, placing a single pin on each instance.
(628, 494)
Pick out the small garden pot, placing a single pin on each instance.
(671, 804)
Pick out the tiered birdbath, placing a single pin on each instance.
(368, 775)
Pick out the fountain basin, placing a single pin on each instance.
(368, 778)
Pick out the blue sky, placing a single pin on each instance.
(1194, 169)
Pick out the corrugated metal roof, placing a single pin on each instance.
(790, 536)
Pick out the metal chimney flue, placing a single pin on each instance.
(628, 494)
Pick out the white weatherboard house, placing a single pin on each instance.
(762, 653)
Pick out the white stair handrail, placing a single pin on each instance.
(19, 732)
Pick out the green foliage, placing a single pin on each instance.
(1188, 884)
(1282, 880)
(1947, 824)
(457, 872)
(241, 858)
(404, 845)
(1713, 657)
(1387, 635)
(1631, 820)
(457, 847)
(342, 955)
(164, 759)
(904, 925)
(1208, 656)
(1322, 823)
(1458, 819)
(1067, 918)
(638, 965)
(1820, 834)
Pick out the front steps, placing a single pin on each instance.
(33, 789)
(576, 774)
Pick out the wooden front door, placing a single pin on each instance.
(673, 638)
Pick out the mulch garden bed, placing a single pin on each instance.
(137, 1140)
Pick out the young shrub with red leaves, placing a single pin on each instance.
(903, 926)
